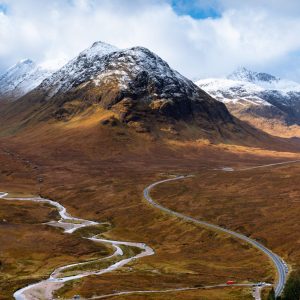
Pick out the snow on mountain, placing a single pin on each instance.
(78, 69)
(22, 78)
(135, 83)
(244, 89)
(139, 64)
(233, 91)
(103, 63)
(265, 81)
(243, 74)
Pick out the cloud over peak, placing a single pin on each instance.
(259, 34)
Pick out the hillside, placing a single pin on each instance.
(135, 85)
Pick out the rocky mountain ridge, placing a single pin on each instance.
(258, 94)
(77, 70)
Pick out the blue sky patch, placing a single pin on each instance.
(197, 9)
(3, 8)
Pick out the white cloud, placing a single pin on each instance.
(259, 33)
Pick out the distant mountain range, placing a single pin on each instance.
(250, 94)
(141, 89)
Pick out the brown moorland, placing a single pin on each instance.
(271, 126)
(99, 172)
(30, 251)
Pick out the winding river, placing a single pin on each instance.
(45, 289)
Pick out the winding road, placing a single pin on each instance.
(279, 264)
(44, 289)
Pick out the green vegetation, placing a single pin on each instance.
(91, 231)
(292, 288)
(68, 286)
(102, 263)
(271, 295)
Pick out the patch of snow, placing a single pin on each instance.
(244, 86)
(22, 78)
(233, 91)
(78, 69)
(104, 63)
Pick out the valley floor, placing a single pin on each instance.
(98, 182)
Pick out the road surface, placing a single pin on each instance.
(279, 264)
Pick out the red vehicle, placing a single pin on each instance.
(230, 282)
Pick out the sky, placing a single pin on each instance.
(199, 38)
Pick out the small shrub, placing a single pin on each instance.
(292, 287)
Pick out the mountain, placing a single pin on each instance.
(135, 85)
(22, 78)
(252, 96)
(78, 70)
(243, 74)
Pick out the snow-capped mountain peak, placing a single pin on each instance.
(78, 69)
(21, 78)
(18, 69)
(102, 63)
(245, 90)
(243, 74)
(264, 81)
(97, 49)
(135, 83)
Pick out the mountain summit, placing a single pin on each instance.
(21, 78)
(243, 74)
(78, 70)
